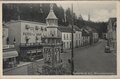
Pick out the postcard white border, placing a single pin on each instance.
(62, 76)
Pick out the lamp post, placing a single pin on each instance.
(72, 55)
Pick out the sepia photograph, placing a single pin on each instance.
(78, 38)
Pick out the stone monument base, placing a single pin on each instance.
(54, 70)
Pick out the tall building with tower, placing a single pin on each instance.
(52, 46)
(52, 23)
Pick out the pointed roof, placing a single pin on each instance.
(65, 29)
(85, 33)
(89, 29)
(51, 14)
(76, 28)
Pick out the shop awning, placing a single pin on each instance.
(34, 51)
(10, 54)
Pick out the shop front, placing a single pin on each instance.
(31, 52)
(10, 59)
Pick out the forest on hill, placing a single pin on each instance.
(39, 12)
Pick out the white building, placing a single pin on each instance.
(26, 35)
(66, 36)
(77, 36)
(26, 31)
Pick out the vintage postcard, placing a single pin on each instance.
(60, 38)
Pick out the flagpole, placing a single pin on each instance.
(72, 55)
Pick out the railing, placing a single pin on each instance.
(8, 46)
(30, 44)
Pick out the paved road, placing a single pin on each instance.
(93, 60)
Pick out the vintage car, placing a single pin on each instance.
(107, 49)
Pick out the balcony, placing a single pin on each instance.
(30, 44)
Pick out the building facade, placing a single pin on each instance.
(77, 36)
(26, 35)
(5, 35)
(66, 36)
(94, 36)
(111, 33)
(10, 54)
(85, 37)
(26, 31)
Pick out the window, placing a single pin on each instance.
(64, 44)
(41, 28)
(64, 36)
(37, 38)
(67, 36)
(27, 39)
(27, 27)
(7, 40)
(45, 29)
(67, 44)
(36, 28)
(54, 32)
(79, 35)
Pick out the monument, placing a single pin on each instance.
(52, 45)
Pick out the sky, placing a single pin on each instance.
(98, 10)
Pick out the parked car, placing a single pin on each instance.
(107, 49)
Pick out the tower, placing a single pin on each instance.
(52, 47)
(52, 23)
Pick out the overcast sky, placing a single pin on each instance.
(99, 10)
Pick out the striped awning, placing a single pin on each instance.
(10, 54)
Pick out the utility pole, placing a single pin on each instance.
(72, 55)
(18, 13)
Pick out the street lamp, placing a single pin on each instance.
(72, 62)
